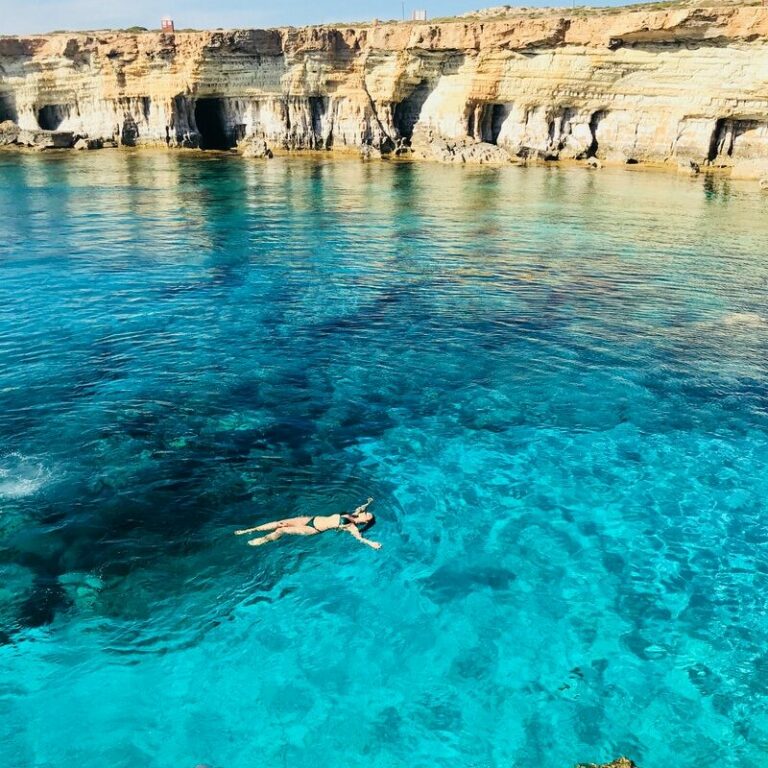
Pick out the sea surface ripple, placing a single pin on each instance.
(553, 382)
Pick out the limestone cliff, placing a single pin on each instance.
(665, 85)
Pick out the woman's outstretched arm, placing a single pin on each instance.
(352, 529)
(365, 506)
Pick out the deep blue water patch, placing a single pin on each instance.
(553, 382)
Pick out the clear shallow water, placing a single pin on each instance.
(553, 382)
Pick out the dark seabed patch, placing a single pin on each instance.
(553, 384)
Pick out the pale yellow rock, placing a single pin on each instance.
(750, 169)
(748, 319)
(672, 86)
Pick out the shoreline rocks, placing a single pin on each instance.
(12, 134)
(621, 762)
(88, 144)
(436, 150)
(690, 168)
(461, 151)
(750, 170)
(257, 148)
(9, 133)
(681, 87)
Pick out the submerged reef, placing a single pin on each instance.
(678, 85)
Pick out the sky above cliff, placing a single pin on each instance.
(50, 15)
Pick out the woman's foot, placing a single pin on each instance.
(258, 542)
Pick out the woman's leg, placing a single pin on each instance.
(287, 530)
(276, 524)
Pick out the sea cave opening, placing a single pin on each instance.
(721, 141)
(594, 124)
(318, 106)
(407, 112)
(724, 136)
(493, 119)
(51, 116)
(6, 110)
(499, 114)
(485, 121)
(212, 125)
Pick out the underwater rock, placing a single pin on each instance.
(621, 762)
(449, 582)
(16, 581)
(81, 589)
(42, 605)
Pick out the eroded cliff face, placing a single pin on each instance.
(663, 85)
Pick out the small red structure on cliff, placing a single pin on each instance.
(166, 24)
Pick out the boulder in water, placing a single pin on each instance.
(368, 152)
(257, 148)
(85, 143)
(46, 139)
(690, 168)
(45, 599)
(9, 133)
(16, 582)
(81, 589)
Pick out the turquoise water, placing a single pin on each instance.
(554, 383)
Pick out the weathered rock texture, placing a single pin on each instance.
(675, 86)
(621, 762)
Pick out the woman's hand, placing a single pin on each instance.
(352, 531)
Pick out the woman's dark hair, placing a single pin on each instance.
(369, 524)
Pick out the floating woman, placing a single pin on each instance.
(355, 524)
